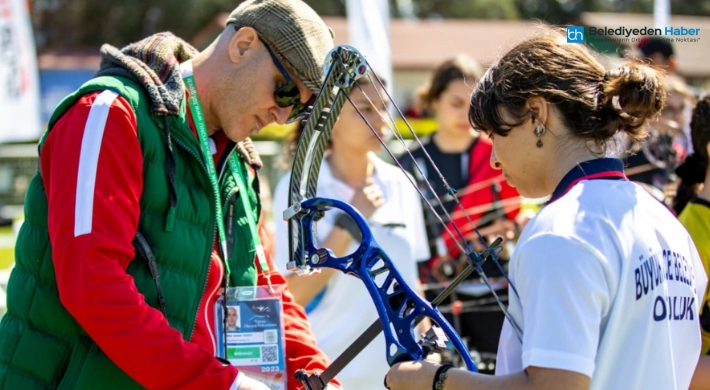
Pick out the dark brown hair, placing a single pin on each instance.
(458, 68)
(694, 169)
(594, 104)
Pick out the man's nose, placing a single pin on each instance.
(280, 114)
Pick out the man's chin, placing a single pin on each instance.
(238, 135)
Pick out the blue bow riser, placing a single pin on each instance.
(397, 304)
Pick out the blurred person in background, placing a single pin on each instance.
(597, 269)
(119, 265)
(677, 112)
(660, 52)
(462, 156)
(667, 144)
(339, 306)
(692, 204)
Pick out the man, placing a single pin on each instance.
(660, 52)
(122, 164)
(232, 318)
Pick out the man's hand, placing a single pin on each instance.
(368, 198)
(252, 384)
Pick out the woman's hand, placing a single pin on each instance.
(368, 198)
(420, 376)
(417, 375)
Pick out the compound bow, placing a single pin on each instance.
(399, 307)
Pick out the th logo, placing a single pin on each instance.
(575, 34)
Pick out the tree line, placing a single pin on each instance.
(75, 24)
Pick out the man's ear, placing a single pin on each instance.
(242, 44)
(538, 109)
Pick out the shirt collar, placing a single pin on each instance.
(600, 168)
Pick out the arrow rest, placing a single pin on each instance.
(434, 340)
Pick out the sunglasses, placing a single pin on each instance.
(288, 94)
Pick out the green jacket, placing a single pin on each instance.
(41, 345)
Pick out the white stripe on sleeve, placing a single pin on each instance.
(89, 160)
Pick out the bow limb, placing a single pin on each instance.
(344, 65)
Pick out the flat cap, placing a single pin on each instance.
(293, 31)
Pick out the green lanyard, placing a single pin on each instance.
(199, 121)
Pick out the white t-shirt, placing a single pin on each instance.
(608, 284)
(345, 309)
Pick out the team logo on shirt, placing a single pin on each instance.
(663, 267)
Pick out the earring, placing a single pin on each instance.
(539, 130)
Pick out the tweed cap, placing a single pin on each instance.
(294, 31)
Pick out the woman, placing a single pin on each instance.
(606, 279)
(338, 305)
(692, 203)
(462, 156)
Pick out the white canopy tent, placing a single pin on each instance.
(19, 81)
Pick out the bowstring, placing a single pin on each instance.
(411, 181)
(486, 218)
(485, 206)
(465, 248)
(451, 191)
(469, 188)
(477, 186)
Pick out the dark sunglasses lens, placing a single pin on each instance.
(299, 110)
(288, 95)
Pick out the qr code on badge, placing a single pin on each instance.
(270, 336)
(269, 354)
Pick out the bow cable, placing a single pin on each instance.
(473, 256)
(475, 263)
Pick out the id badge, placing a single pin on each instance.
(252, 334)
